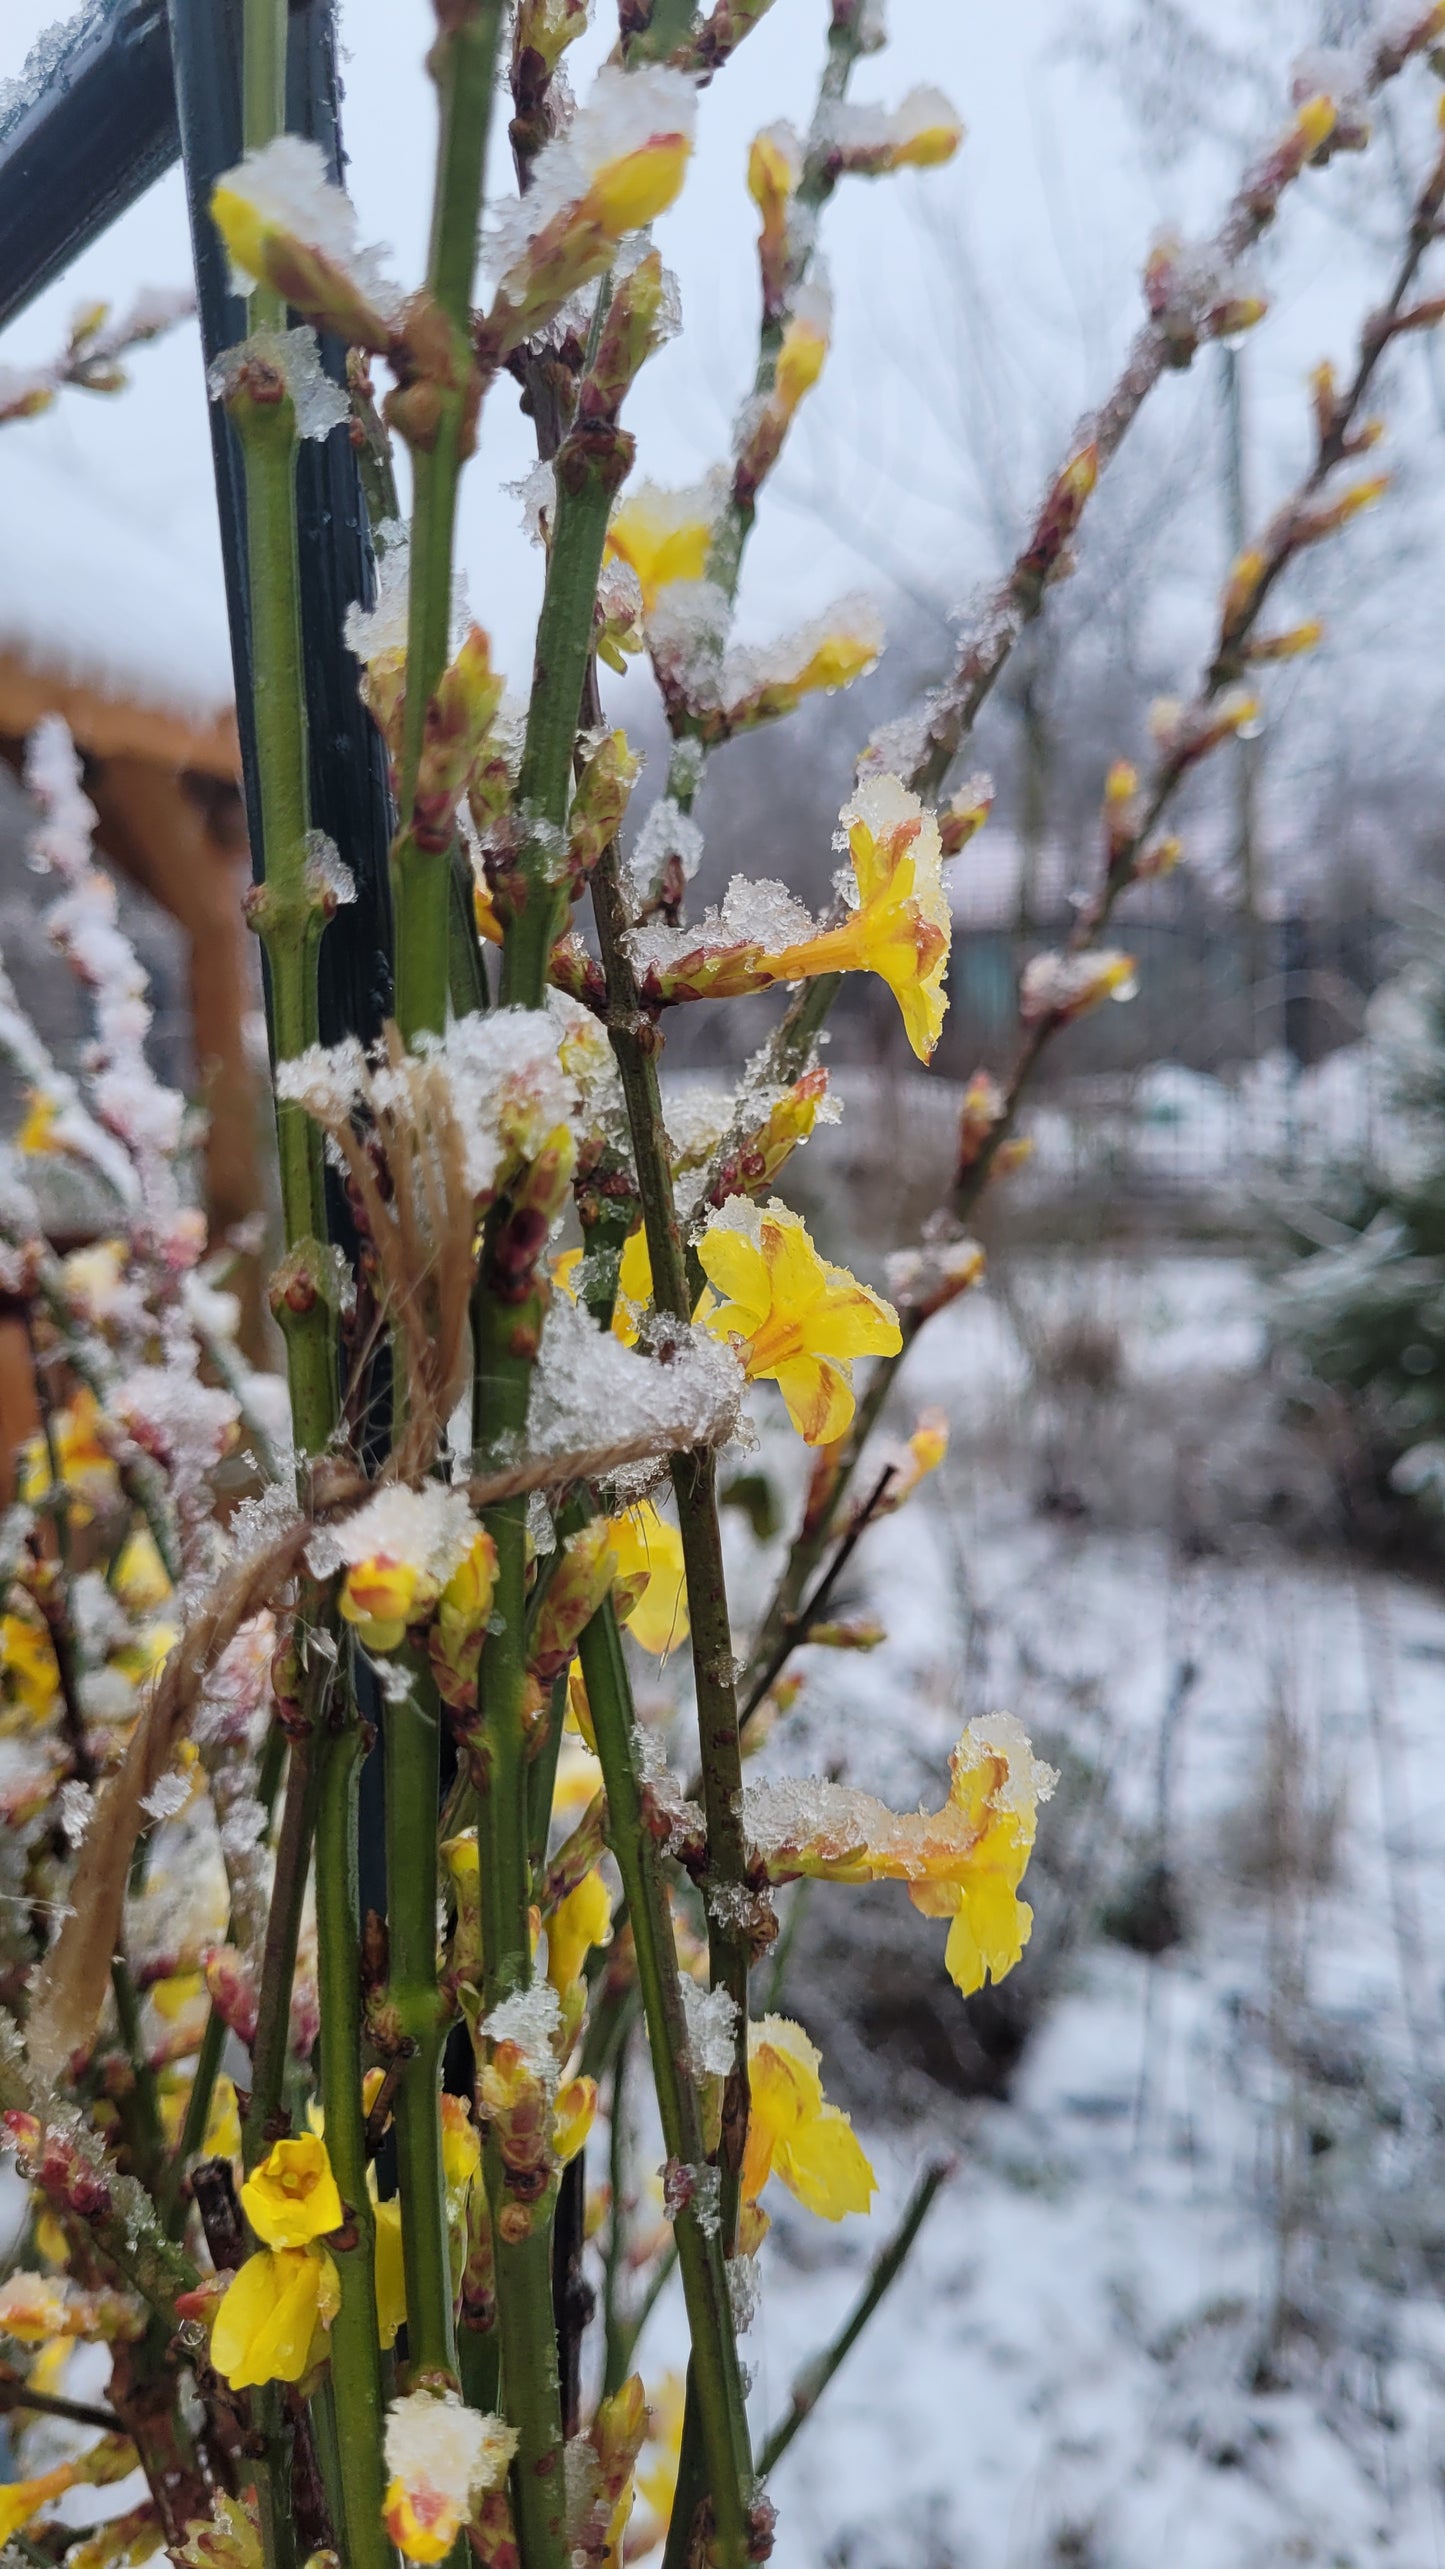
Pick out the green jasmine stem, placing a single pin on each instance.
(694, 1480)
(271, 2430)
(543, 1778)
(271, 2048)
(506, 1336)
(355, 2352)
(286, 912)
(413, 1793)
(203, 2089)
(263, 73)
(811, 2383)
(462, 63)
(715, 2383)
(616, 2341)
(590, 470)
(141, 2112)
(479, 2361)
(466, 974)
(507, 1333)
(669, 27)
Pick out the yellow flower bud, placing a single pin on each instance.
(800, 360)
(575, 2113)
(773, 167)
(1316, 121)
(382, 1597)
(579, 1922)
(634, 189)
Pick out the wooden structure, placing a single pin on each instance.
(167, 791)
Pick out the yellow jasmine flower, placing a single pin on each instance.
(794, 2134)
(27, 1665)
(145, 1653)
(795, 1319)
(634, 1282)
(271, 2325)
(87, 1472)
(37, 1133)
(34, 2308)
(390, 2271)
(657, 2482)
(964, 1862)
(649, 1554)
(140, 1578)
(619, 166)
(928, 131)
(223, 2124)
(113, 2458)
(580, 1921)
(93, 1278)
(829, 653)
(484, 910)
(775, 165)
(292, 2197)
(664, 536)
(902, 927)
(461, 2144)
(579, 1780)
(171, 1997)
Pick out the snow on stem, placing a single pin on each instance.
(437, 417)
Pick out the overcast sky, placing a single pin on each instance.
(1055, 195)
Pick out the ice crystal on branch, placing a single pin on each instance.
(712, 2017)
(590, 1390)
(289, 360)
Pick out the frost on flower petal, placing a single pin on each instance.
(441, 2457)
(626, 117)
(619, 164)
(762, 683)
(922, 132)
(287, 225)
(963, 1862)
(431, 1527)
(665, 536)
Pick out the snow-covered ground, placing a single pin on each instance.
(1180, 2301)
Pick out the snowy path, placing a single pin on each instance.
(1180, 2302)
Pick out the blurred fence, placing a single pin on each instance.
(1204, 999)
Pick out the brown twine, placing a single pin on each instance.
(69, 1988)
